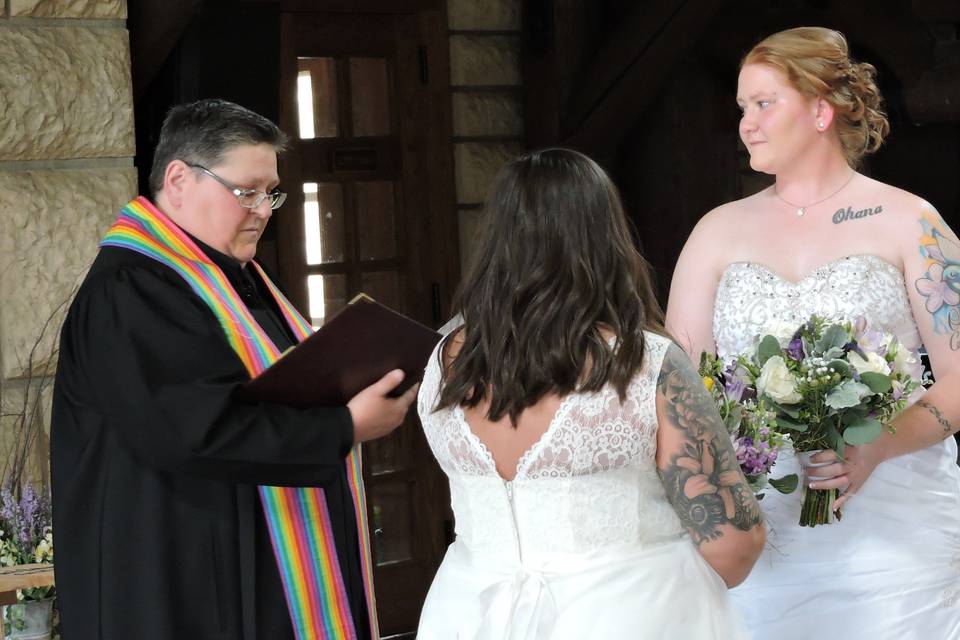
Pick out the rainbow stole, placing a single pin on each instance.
(297, 518)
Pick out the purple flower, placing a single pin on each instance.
(755, 457)
(737, 383)
(795, 349)
(26, 521)
(734, 389)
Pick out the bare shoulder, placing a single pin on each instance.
(718, 225)
(901, 208)
(452, 345)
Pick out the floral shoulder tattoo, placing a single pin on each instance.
(940, 285)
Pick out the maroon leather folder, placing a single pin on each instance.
(351, 351)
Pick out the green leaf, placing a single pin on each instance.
(841, 367)
(786, 484)
(847, 394)
(836, 441)
(863, 431)
(789, 423)
(833, 353)
(834, 337)
(878, 382)
(851, 415)
(791, 410)
(768, 348)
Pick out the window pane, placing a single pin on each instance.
(376, 220)
(327, 295)
(323, 222)
(384, 287)
(317, 97)
(370, 93)
(392, 526)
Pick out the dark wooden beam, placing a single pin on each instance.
(155, 28)
(627, 74)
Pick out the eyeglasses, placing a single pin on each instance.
(248, 198)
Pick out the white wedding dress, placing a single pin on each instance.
(582, 543)
(891, 567)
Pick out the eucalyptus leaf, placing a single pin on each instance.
(768, 348)
(833, 353)
(834, 337)
(841, 367)
(786, 484)
(862, 432)
(878, 382)
(847, 394)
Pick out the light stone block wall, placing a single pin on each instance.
(487, 103)
(66, 167)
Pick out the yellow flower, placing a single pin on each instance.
(708, 383)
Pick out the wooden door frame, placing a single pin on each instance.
(439, 270)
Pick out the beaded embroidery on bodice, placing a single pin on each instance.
(590, 481)
(751, 297)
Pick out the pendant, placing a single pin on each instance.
(800, 211)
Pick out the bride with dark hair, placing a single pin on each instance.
(595, 488)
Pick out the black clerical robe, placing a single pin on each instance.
(155, 460)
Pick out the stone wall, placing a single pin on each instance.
(66, 166)
(487, 101)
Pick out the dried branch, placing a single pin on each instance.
(28, 418)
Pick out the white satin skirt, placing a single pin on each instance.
(889, 569)
(667, 592)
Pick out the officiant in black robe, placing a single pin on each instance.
(155, 457)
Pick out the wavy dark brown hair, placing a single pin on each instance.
(555, 263)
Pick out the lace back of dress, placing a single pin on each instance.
(590, 433)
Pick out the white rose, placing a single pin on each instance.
(777, 382)
(781, 330)
(874, 363)
(907, 362)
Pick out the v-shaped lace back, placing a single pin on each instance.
(590, 432)
(751, 298)
(589, 481)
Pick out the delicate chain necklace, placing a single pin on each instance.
(800, 209)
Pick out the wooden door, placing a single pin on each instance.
(371, 208)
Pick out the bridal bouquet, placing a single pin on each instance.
(831, 385)
(751, 422)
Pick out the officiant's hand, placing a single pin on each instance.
(847, 475)
(374, 414)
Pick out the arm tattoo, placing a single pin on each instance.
(940, 285)
(947, 427)
(703, 480)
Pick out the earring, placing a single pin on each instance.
(819, 125)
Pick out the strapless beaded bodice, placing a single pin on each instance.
(751, 297)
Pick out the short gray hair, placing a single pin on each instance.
(202, 132)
